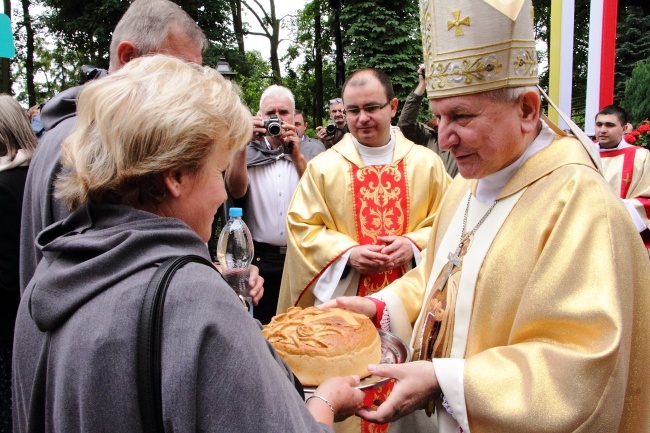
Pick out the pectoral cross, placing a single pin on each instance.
(455, 258)
(431, 324)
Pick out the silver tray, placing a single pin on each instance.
(393, 351)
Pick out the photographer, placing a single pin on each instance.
(334, 132)
(262, 179)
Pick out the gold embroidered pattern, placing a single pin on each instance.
(381, 212)
(458, 22)
(526, 63)
(373, 285)
(450, 74)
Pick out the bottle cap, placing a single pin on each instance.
(235, 212)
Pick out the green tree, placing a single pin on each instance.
(270, 24)
(637, 92)
(238, 26)
(385, 35)
(54, 70)
(86, 26)
(632, 45)
(253, 76)
(313, 80)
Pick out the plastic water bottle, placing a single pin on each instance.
(235, 253)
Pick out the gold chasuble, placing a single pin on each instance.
(341, 203)
(627, 170)
(553, 330)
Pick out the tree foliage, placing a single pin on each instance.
(632, 45)
(253, 76)
(637, 92)
(86, 26)
(270, 24)
(313, 80)
(385, 35)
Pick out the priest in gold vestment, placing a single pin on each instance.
(362, 211)
(535, 285)
(372, 190)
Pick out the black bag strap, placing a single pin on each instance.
(149, 342)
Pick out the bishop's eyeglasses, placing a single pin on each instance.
(353, 111)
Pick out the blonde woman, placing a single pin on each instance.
(142, 174)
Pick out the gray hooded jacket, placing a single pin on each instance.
(40, 208)
(75, 351)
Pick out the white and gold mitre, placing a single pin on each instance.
(472, 46)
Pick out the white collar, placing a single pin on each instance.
(376, 152)
(489, 187)
(621, 145)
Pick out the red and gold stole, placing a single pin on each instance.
(628, 166)
(381, 200)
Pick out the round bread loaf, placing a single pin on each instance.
(321, 343)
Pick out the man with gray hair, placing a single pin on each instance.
(529, 310)
(147, 27)
(263, 178)
(335, 131)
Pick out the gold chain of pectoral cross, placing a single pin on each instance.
(455, 258)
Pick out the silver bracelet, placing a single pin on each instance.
(322, 398)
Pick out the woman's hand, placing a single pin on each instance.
(342, 395)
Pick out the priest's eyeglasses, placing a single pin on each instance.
(353, 111)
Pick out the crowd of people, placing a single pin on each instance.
(510, 255)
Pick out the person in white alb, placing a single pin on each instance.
(625, 166)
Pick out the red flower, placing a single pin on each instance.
(631, 139)
(644, 127)
(635, 133)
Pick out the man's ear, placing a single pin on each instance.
(530, 106)
(126, 51)
(393, 106)
(173, 183)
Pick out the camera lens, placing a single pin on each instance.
(331, 129)
(274, 128)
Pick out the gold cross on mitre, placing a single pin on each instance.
(458, 22)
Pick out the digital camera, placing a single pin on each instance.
(330, 129)
(273, 126)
